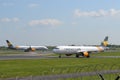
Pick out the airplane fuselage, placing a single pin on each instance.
(77, 49)
(33, 47)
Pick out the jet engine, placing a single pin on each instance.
(86, 54)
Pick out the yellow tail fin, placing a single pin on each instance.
(9, 44)
(105, 42)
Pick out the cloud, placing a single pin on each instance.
(52, 22)
(99, 13)
(5, 20)
(9, 19)
(33, 5)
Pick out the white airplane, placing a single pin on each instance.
(25, 48)
(81, 50)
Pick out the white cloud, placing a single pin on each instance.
(9, 19)
(99, 13)
(52, 22)
(5, 20)
(33, 5)
(15, 19)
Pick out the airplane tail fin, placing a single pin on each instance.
(9, 44)
(105, 42)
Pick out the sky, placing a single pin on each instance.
(59, 22)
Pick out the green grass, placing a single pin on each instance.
(37, 67)
(12, 68)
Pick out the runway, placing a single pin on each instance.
(47, 57)
(25, 57)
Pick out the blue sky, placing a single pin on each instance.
(59, 22)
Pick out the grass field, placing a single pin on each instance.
(37, 67)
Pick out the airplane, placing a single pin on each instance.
(83, 51)
(25, 48)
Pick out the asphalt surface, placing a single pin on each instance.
(25, 57)
(45, 57)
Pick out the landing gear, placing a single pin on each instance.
(26, 50)
(77, 55)
(59, 56)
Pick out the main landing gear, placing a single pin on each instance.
(77, 55)
(59, 55)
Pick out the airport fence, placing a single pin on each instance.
(97, 72)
